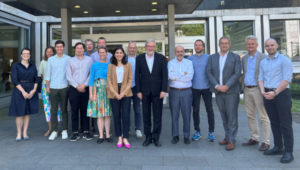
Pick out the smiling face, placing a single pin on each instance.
(119, 55)
(101, 43)
(79, 50)
(59, 48)
(49, 52)
(251, 45)
(25, 55)
(271, 47)
(89, 46)
(150, 48)
(102, 54)
(199, 47)
(224, 45)
(179, 52)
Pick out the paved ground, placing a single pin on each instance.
(39, 153)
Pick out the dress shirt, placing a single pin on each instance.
(132, 60)
(95, 56)
(87, 54)
(273, 70)
(42, 70)
(200, 80)
(56, 71)
(222, 62)
(120, 74)
(78, 71)
(250, 74)
(176, 69)
(150, 61)
(98, 71)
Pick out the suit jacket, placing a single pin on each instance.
(260, 56)
(231, 72)
(154, 82)
(112, 83)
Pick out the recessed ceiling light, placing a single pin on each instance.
(77, 6)
(154, 3)
(154, 10)
(85, 12)
(117, 11)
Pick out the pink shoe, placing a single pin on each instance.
(128, 146)
(119, 145)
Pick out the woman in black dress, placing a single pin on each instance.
(24, 99)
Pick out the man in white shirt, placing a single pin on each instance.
(180, 71)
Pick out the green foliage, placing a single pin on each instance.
(192, 29)
(295, 90)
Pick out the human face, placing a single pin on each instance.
(101, 43)
(89, 46)
(199, 47)
(102, 54)
(224, 45)
(150, 48)
(132, 49)
(79, 50)
(59, 49)
(25, 55)
(251, 45)
(49, 52)
(119, 55)
(271, 47)
(179, 52)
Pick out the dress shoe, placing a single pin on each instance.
(26, 138)
(147, 142)
(223, 142)
(274, 151)
(229, 146)
(187, 141)
(156, 143)
(175, 140)
(264, 147)
(100, 140)
(287, 157)
(250, 142)
(18, 139)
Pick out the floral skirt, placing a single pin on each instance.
(46, 104)
(101, 106)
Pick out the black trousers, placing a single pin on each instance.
(207, 97)
(157, 105)
(280, 115)
(79, 102)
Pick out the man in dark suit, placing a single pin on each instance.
(151, 78)
(223, 71)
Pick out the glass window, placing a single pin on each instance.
(286, 33)
(12, 40)
(127, 29)
(188, 29)
(76, 32)
(237, 31)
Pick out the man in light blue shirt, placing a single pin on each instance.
(89, 45)
(136, 101)
(201, 88)
(275, 74)
(57, 87)
(101, 43)
(180, 71)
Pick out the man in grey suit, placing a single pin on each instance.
(252, 96)
(223, 71)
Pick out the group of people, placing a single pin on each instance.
(100, 84)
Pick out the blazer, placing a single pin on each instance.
(260, 56)
(231, 72)
(112, 83)
(151, 83)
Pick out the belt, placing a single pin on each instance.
(250, 86)
(180, 89)
(25, 81)
(270, 89)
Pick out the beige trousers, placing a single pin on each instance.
(254, 102)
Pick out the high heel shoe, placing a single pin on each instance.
(128, 146)
(119, 145)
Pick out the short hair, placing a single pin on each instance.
(79, 43)
(50, 47)
(25, 49)
(150, 40)
(101, 38)
(60, 42)
(99, 48)
(89, 40)
(199, 40)
(113, 59)
(251, 37)
(272, 39)
(179, 46)
(224, 37)
(131, 42)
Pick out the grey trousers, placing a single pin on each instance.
(181, 100)
(228, 107)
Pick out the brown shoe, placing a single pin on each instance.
(250, 142)
(264, 147)
(223, 142)
(230, 146)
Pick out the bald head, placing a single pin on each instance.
(179, 52)
(271, 46)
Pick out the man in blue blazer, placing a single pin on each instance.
(151, 78)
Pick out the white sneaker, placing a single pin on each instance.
(138, 133)
(64, 134)
(53, 135)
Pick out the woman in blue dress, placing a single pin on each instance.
(24, 99)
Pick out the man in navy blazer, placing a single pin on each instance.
(151, 78)
(223, 71)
